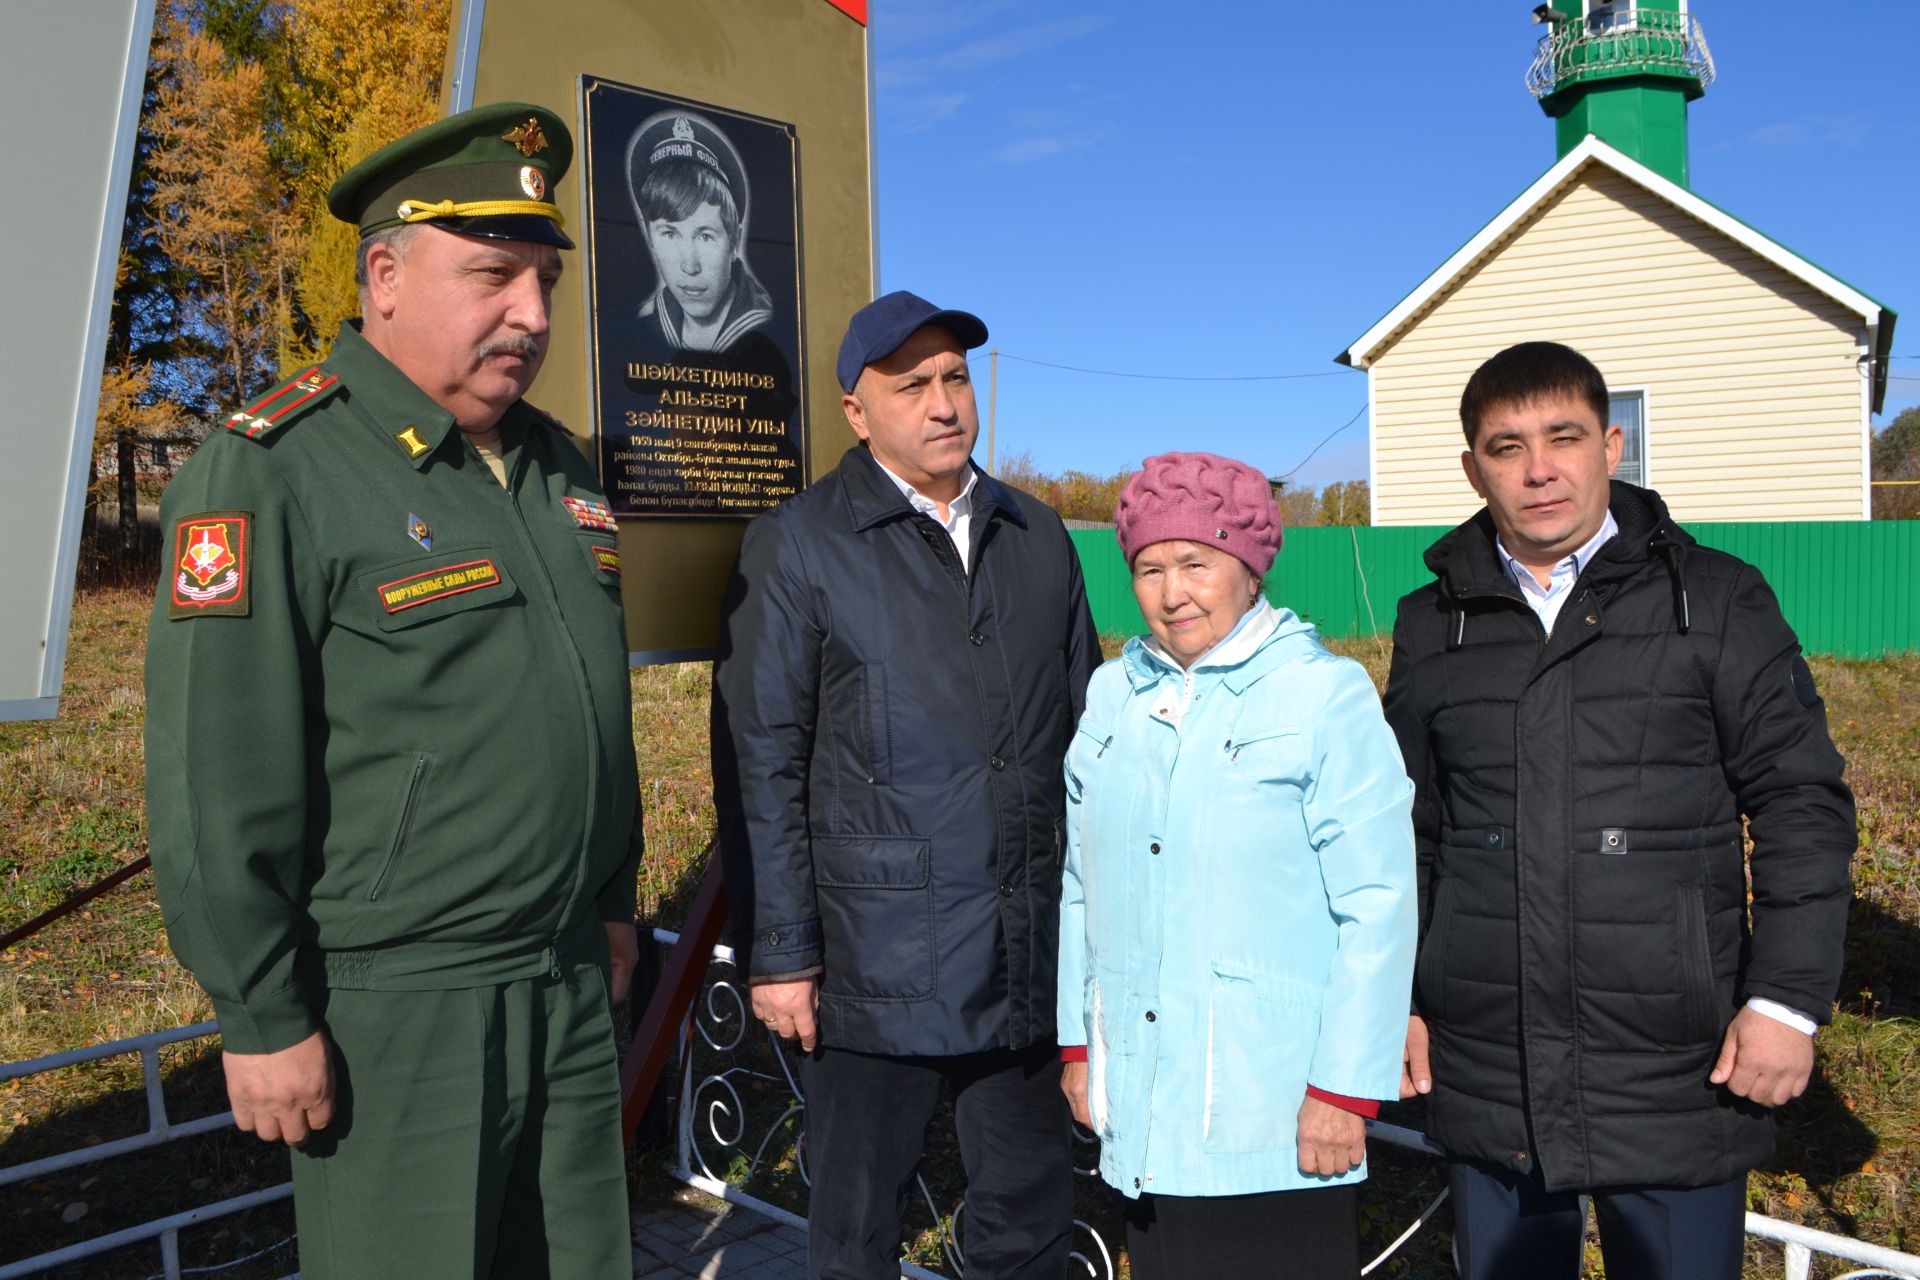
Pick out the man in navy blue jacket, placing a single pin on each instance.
(904, 654)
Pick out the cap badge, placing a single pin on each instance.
(1220, 534)
(683, 128)
(418, 531)
(527, 138)
(533, 182)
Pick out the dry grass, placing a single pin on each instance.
(71, 810)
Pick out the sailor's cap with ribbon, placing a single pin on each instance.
(486, 172)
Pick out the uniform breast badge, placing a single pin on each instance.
(418, 531)
(590, 514)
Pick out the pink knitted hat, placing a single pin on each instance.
(1201, 497)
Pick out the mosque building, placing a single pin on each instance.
(1744, 376)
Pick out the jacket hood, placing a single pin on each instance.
(1467, 563)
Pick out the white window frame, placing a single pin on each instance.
(1623, 15)
(1646, 428)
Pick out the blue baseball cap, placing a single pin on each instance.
(877, 330)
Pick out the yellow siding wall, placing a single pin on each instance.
(1753, 388)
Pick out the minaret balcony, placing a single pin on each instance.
(1637, 42)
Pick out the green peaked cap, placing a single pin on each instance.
(486, 172)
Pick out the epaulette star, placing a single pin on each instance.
(284, 405)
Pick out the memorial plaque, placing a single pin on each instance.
(693, 241)
(788, 82)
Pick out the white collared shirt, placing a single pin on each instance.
(1546, 602)
(959, 521)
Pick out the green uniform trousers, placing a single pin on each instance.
(476, 1137)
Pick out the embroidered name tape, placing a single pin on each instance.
(589, 514)
(608, 558)
(437, 584)
(212, 564)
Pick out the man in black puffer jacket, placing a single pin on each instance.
(1589, 703)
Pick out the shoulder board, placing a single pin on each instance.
(284, 405)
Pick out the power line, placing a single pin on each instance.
(1323, 444)
(1175, 377)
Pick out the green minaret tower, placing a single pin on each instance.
(1625, 70)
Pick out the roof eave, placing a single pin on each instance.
(1362, 352)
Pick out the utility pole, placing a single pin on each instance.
(993, 397)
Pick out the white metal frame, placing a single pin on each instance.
(86, 403)
(160, 1129)
(466, 55)
(1800, 1243)
(1646, 428)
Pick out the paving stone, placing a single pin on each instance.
(682, 1241)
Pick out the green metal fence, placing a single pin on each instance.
(1850, 589)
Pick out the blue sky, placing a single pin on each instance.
(1242, 188)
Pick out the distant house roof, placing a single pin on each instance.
(1877, 316)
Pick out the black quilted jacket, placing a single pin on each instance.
(1586, 930)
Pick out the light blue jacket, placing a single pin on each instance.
(1238, 918)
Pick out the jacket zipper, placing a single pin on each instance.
(583, 687)
(401, 827)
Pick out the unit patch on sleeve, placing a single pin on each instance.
(213, 565)
(608, 558)
(436, 584)
(590, 514)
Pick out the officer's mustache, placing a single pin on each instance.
(525, 348)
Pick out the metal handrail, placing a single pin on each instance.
(689, 956)
(1651, 38)
(160, 1129)
(664, 1021)
(1800, 1242)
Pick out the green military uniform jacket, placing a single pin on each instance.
(389, 738)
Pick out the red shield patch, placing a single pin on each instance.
(211, 566)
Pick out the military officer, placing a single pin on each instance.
(390, 767)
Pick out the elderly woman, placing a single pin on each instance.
(1237, 928)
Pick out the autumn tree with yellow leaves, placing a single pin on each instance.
(222, 215)
(361, 73)
(233, 270)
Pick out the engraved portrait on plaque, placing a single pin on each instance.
(693, 243)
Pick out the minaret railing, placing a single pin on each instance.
(1642, 39)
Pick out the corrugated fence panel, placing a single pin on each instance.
(1849, 588)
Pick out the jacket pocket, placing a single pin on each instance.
(402, 824)
(876, 724)
(1259, 1044)
(603, 558)
(1430, 969)
(421, 590)
(1703, 1020)
(875, 895)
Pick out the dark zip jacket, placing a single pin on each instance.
(888, 737)
(1586, 930)
(393, 750)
